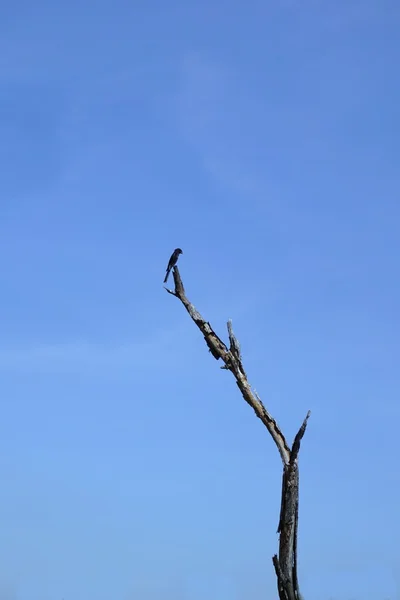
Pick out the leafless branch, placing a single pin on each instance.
(286, 564)
(299, 435)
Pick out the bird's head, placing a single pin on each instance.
(178, 251)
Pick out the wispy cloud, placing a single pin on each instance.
(159, 351)
(236, 129)
(207, 110)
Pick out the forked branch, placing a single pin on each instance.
(286, 564)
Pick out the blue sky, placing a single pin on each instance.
(263, 139)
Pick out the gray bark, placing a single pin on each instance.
(285, 562)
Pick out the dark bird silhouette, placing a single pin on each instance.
(172, 261)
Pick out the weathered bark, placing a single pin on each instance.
(285, 562)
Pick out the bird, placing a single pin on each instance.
(172, 261)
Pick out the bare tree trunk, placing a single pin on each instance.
(285, 562)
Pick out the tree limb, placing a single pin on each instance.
(286, 564)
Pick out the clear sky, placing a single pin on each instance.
(263, 139)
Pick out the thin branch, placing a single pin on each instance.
(233, 363)
(299, 435)
(235, 346)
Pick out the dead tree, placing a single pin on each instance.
(285, 562)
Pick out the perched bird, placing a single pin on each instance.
(172, 261)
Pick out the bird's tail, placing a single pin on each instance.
(166, 277)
